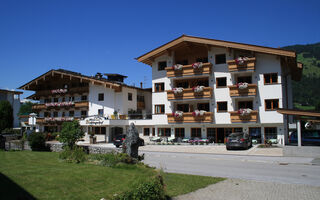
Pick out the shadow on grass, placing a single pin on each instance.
(10, 190)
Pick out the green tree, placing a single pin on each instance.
(26, 108)
(6, 115)
(71, 132)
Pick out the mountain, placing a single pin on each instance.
(306, 92)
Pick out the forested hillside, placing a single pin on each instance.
(307, 91)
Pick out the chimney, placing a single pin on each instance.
(98, 75)
(141, 84)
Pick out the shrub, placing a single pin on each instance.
(113, 159)
(148, 190)
(75, 155)
(37, 141)
(11, 131)
(71, 132)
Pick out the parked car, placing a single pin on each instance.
(308, 137)
(118, 140)
(238, 140)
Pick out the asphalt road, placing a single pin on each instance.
(296, 170)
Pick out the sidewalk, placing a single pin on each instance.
(213, 149)
(236, 189)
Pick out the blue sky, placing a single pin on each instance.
(105, 36)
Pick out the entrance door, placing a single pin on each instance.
(115, 131)
(220, 135)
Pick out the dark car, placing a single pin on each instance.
(118, 140)
(238, 140)
(308, 137)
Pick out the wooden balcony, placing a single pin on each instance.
(188, 70)
(237, 117)
(190, 94)
(251, 90)
(141, 105)
(249, 65)
(76, 90)
(79, 104)
(189, 118)
(40, 120)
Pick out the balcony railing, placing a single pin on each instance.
(235, 91)
(188, 70)
(236, 116)
(41, 120)
(59, 105)
(235, 66)
(188, 117)
(76, 90)
(189, 93)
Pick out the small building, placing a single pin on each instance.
(104, 106)
(13, 97)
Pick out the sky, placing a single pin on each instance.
(90, 36)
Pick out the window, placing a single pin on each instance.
(55, 114)
(255, 133)
(146, 131)
(183, 84)
(271, 104)
(228, 131)
(129, 96)
(71, 98)
(100, 130)
(84, 98)
(270, 133)
(63, 114)
(153, 132)
(203, 82)
(221, 82)
(204, 59)
(71, 113)
(164, 132)
(211, 133)
(270, 78)
(100, 112)
(55, 99)
(196, 132)
(159, 87)
(183, 107)
(244, 79)
(159, 109)
(204, 106)
(182, 62)
(162, 65)
(245, 104)
(221, 59)
(47, 114)
(222, 106)
(83, 113)
(179, 132)
(101, 97)
(47, 101)
(140, 98)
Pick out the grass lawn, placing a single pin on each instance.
(44, 176)
(300, 107)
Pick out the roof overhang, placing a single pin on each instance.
(149, 57)
(65, 74)
(10, 91)
(300, 113)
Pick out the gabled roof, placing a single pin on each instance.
(71, 74)
(148, 57)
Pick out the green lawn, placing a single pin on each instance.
(300, 107)
(44, 176)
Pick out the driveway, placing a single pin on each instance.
(212, 149)
(292, 170)
(236, 189)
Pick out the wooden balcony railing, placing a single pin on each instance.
(76, 90)
(190, 94)
(248, 65)
(189, 118)
(251, 90)
(141, 105)
(235, 116)
(42, 120)
(79, 104)
(188, 70)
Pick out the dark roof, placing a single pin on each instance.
(107, 74)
